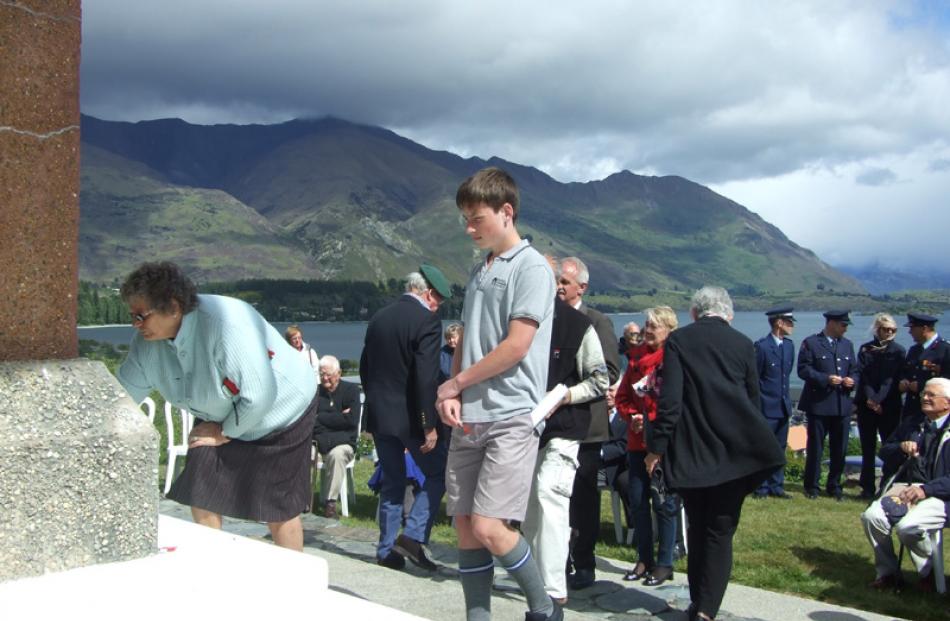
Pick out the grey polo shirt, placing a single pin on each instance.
(517, 284)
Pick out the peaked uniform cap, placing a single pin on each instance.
(781, 312)
(920, 319)
(838, 315)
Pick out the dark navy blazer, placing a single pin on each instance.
(921, 365)
(775, 367)
(818, 359)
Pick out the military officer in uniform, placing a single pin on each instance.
(827, 364)
(928, 357)
(774, 359)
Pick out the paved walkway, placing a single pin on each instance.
(350, 553)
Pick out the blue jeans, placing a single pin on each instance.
(640, 502)
(390, 450)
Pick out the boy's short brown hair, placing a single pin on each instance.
(491, 186)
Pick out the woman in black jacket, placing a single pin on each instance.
(877, 398)
(710, 439)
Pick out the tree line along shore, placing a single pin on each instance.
(318, 300)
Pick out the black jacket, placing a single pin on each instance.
(399, 369)
(817, 360)
(880, 375)
(332, 426)
(938, 467)
(708, 427)
(567, 331)
(613, 453)
(921, 365)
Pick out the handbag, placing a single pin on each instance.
(659, 492)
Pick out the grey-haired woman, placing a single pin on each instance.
(251, 393)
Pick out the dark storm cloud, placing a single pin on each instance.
(876, 177)
(720, 93)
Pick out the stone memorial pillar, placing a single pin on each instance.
(78, 460)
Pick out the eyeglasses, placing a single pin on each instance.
(933, 395)
(140, 317)
(887, 330)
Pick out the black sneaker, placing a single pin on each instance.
(413, 550)
(581, 579)
(392, 561)
(556, 615)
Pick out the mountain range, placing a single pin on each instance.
(330, 199)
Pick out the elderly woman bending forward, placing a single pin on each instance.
(251, 393)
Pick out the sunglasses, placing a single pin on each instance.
(140, 317)
(888, 330)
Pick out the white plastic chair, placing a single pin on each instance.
(936, 543)
(149, 407)
(181, 448)
(615, 504)
(349, 480)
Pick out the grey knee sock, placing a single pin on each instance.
(476, 569)
(523, 568)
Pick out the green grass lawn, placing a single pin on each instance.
(810, 548)
(814, 549)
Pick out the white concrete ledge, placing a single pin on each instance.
(199, 573)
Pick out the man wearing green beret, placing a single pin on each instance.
(399, 369)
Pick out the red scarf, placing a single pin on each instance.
(643, 362)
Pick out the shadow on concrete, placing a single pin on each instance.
(833, 615)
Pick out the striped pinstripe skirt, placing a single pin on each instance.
(265, 480)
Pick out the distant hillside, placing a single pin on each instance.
(879, 279)
(336, 200)
(130, 213)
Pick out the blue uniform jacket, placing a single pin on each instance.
(817, 360)
(921, 365)
(775, 368)
(894, 457)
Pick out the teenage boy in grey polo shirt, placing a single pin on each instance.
(500, 373)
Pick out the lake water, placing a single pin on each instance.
(345, 339)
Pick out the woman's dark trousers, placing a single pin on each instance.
(640, 502)
(872, 426)
(712, 514)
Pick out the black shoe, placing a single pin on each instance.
(658, 576)
(890, 581)
(867, 495)
(329, 510)
(556, 615)
(393, 561)
(811, 495)
(413, 550)
(581, 579)
(838, 495)
(783, 495)
(760, 496)
(638, 571)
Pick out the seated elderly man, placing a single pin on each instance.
(920, 453)
(335, 430)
